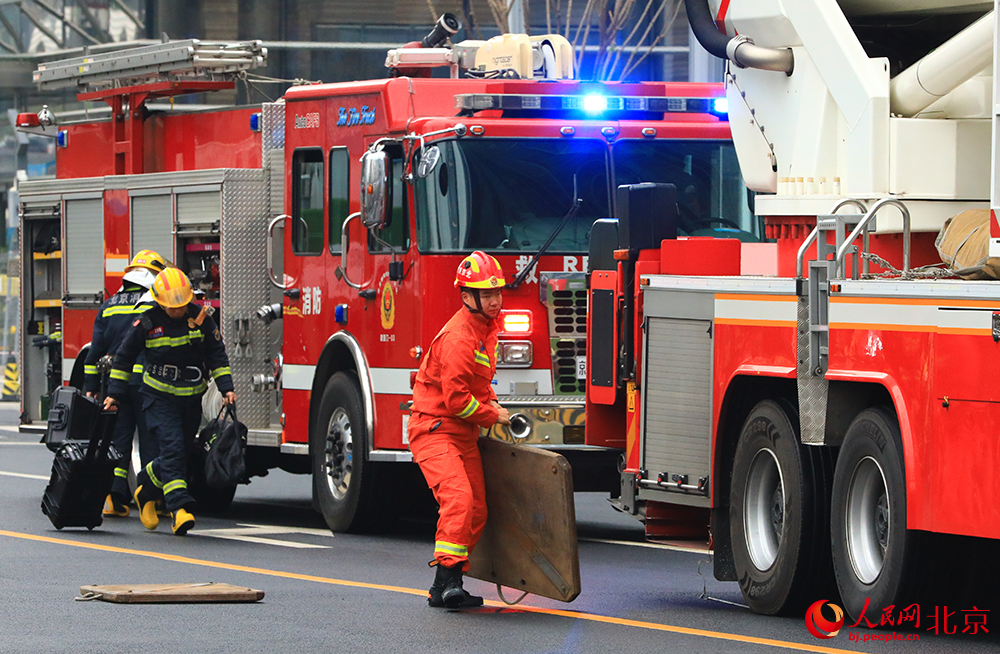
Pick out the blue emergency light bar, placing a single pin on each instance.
(595, 105)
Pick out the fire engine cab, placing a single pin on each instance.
(326, 229)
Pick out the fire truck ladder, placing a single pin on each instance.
(173, 60)
(814, 300)
(126, 79)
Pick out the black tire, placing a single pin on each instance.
(343, 478)
(779, 520)
(873, 552)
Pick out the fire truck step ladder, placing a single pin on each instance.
(187, 59)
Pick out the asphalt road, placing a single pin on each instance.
(356, 593)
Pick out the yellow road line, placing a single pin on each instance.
(591, 617)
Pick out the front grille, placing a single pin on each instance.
(564, 358)
(565, 295)
(568, 313)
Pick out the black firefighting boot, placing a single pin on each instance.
(447, 591)
(183, 520)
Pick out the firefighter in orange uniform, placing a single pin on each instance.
(452, 399)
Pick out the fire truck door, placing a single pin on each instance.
(305, 260)
(394, 317)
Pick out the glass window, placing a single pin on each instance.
(340, 194)
(397, 230)
(712, 199)
(510, 194)
(307, 201)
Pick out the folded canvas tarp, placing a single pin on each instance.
(964, 245)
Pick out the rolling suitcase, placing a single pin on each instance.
(72, 417)
(82, 472)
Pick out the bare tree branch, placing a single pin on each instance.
(470, 20)
(628, 39)
(434, 13)
(663, 34)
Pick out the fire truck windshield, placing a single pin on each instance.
(711, 195)
(510, 194)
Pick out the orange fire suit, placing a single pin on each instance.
(452, 398)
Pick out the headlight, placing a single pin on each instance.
(514, 354)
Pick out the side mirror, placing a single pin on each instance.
(429, 159)
(374, 189)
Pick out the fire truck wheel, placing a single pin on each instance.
(778, 516)
(340, 470)
(872, 549)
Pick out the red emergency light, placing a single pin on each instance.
(515, 323)
(27, 120)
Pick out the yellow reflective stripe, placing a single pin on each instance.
(120, 374)
(122, 310)
(174, 390)
(218, 372)
(451, 548)
(121, 472)
(89, 370)
(176, 341)
(152, 477)
(137, 368)
(469, 409)
(483, 358)
(176, 484)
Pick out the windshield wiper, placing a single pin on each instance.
(577, 202)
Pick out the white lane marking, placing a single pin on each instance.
(12, 428)
(21, 474)
(3, 442)
(656, 546)
(253, 533)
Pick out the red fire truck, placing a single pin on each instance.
(831, 426)
(326, 228)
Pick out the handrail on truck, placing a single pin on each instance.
(862, 224)
(815, 232)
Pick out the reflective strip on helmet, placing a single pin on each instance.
(152, 477)
(469, 409)
(218, 372)
(181, 391)
(123, 375)
(121, 472)
(177, 484)
(450, 548)
(89, 370)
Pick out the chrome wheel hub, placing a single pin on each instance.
(338, 454)
(764, 509)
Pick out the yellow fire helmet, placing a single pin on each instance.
(147, 259)
(172, 289)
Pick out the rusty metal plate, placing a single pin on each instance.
(529, 542)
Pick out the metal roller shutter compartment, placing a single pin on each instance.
(84, 246)
(153, 231)
(678, 398)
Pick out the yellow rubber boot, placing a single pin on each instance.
(113, 508)
(183, 521)
(147, 510)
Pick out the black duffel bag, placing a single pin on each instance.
(222, 444)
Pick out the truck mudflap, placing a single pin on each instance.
(529, 543)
